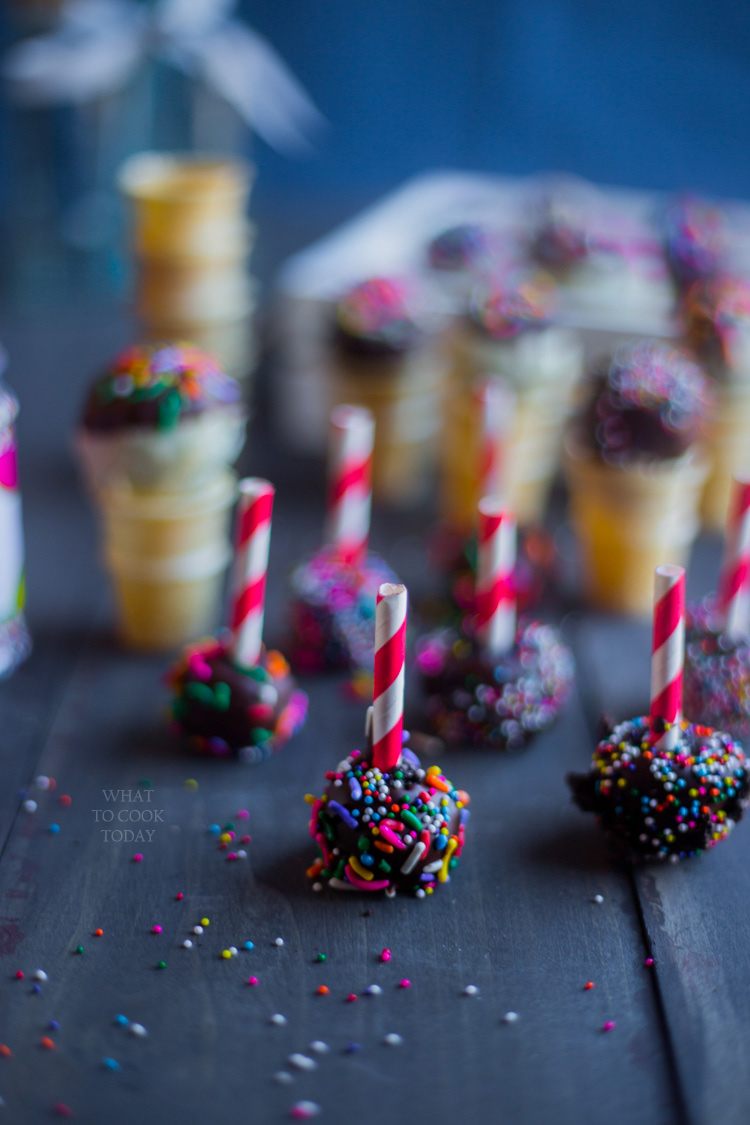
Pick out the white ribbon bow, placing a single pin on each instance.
(99, 44)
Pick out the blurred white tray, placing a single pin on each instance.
(390, 238)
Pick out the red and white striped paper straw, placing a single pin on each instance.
(495, 403)
(248, 583)
(388, 685)
(496, 599)
(734, 583)
(349, 481)
(667, 655)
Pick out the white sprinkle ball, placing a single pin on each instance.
(317, 887)
(42, 782)
(278, 941)
(197, 929)
(278, 1019)
(187, 944)
(319, 1047)
(302, 1110)
(41, 976)
(233, 950)
(30, 806)
(283, 1077)
(139, 1030)
(373, 990)
(510, 1017)
(242, 854)
(471, 990)
(302, 1062)
(598, 899)
(393, 1039)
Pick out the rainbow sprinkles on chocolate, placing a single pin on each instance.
(378, 830)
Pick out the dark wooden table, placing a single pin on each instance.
(519, 920)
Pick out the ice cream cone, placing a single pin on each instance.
(186, 206)
(728, 449)
(175, 460)
(404, 392)
(232, 342)
(184, 289)
(167, 553)
(629, 519)
(544, 368)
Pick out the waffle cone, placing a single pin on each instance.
(179, 290)
(404, 394)
(629, 520)
(186, 206)
(232, 342)
(728, 448)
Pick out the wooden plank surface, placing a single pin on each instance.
(518, 920)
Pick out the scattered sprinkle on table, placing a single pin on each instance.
(351, 997)
(79, 949)
(156, 929)
(65, 800)
(138, 857)
(161, 964)
(47, 1043)
(404, 983)
(283, 1077)
(510, 1017)
(352, 1048)
(179, 896)
(648, 962)
(373, 990)
(20, 974)
(322, 990)
(303, 1111)
(54, 829)
(205, 922)
(598, 899)
(226, 954)
(30, 806)
(588, 985)
(111, 1064)
(393, 1039)
(191, 784)
(320, 956)
(385, 955)
(122, 1020)
(42, 782)
(62, 1109)
(609, 1025)
(53, 1025)
(197, 929)
(138, 1030)
(319, 1047)
(302, 1062)
(187, 944)
(98, 933)
(278, 941)
(278, 1019)
(253, 981)
(5, 1051)
(248, 945)
(471, 990)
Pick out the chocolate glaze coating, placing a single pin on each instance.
(404, 828)
(664, 804)
(519, 302)
(157, 386)
(650, 403)
(375, 320)
(695, 239)
(461, 247)
(499, 703)
(225, 709)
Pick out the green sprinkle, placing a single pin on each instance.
(384, 865)
(260, 734)
(79, 949)
(363, 843)
(169, 409)
(145, 783)
(161, 964)
(320, 957)
(222, 695)
(200, 692)
(410, 819)
(256, 673)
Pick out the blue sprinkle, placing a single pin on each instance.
(440, 842)
(53, 1025)
(368, 800)
(122, 1020)
(37, 988)
(345, 815)
(111, 1064)
(249, 945)
(54, 829)
(366, 859)
(356, 788)
(215, 829)
(352, 1048)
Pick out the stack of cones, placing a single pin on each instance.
(164, 491)
(192, 243)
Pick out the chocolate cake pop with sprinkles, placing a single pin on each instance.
(383, 823)
(650, 403)
(461, 248)
(664, 803)
(378, 318)
(231, 695)
(496, 684)
(161, 416)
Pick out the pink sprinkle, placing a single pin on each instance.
(232, 855)
(385, 955)
(351, 997)
(243, 814)
(19, 974)
(608, 1025)
(246, 840)
(179, 895)
(648, 962)
(156, 930)
(62, 1109)
(137, 858)
(404, 983)
(252, 980)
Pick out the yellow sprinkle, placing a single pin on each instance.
(226, 954)
(450, 849)
(205, 922)
(361, 871)
(310, 798)
(225, 837)
(191, 784)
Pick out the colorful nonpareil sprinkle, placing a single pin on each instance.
(514, 305)
(665, 804)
